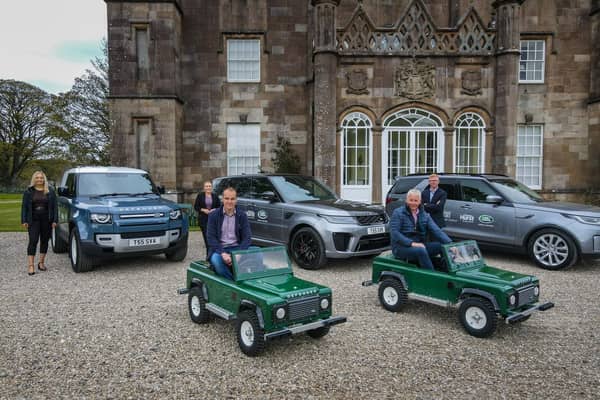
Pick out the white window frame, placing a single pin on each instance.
(352, 123)
(243, 149)
(243, 56)
(530, 152)
(469, 121)
(529, 56)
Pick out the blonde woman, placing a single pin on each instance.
(39, 215)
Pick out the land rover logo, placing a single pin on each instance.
(262, 214)
(486, 219)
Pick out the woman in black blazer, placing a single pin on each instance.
(39, 215)
(206, 202)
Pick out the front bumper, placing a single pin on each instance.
(107, 250)
(519, 316)
(350, 240)
(306, 327)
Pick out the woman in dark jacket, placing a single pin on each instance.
(206, 202)
(39, 214)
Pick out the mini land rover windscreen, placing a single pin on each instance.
(258, 263)
(463, 255)
(114, 184)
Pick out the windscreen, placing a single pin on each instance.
(103, 184)
(515, 191)
(464, 254)
(299, 188)
(260, 262)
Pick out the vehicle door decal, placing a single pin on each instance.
(467, 218)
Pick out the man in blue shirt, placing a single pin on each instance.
(228, 229)
(409, 228)
(434, 199)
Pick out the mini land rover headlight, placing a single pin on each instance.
(174, 214)
(101, 218)
(512, 300)
(324, 303)
(280, 313)
(536, 291)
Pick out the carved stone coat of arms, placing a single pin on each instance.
(357, 82)
(415, 80)
(471, 83)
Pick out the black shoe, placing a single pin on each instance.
(31, 272)
(42, 268)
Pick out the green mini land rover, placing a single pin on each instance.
(481, 292)
(265, 298)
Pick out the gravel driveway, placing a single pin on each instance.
(122, 332)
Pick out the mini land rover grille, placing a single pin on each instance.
(137, 235)
(526, 296)
(304, 308)
(372, 219)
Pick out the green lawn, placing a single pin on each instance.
(10, 212)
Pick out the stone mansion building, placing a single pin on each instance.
(365, 90)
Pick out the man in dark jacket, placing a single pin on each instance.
(434, 199)
(228, 230)
(409, 228)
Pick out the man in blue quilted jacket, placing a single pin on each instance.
(409, 228)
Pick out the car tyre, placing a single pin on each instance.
(251, 337)
(552, 249)
(80, 262)
(392, 294)
(197, 306)
(318, 333)
(307, 248)
(58, 244)
(478, 317)
(178, 254)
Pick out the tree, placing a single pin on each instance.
(85, 116)
(28, 128)
(284, 159)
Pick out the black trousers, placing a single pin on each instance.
(203, 228)
(39, 230)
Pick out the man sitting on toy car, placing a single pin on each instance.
(409, 228)
(228, 229)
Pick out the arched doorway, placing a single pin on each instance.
(357, 153)
(412, 142)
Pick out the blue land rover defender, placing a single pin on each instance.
(107, 212)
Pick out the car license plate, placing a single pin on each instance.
(376, 229)
(144, 241)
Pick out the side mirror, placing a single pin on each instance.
(161, 189)
(269, 196)
(492, 199)
(63, 191)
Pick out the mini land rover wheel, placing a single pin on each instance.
(197, 306)
(58, 244)
(478, 317)
(178, 254)
(552, 249)
(80, 262)
(251, 337)
(308, 249)
(392, 294)
(318, 333)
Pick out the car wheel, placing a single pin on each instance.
(392, 294)
(478, 317)
(318, 333)
(552, 249)
(80, 262)
(251, 337)
(307, 249)
(177, 255)
(58, 244)
(197, 306)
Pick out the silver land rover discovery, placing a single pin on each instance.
(304, 214)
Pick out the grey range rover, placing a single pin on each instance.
(502, 213)
(305, 215)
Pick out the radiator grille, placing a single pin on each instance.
(304, 308)
(137, 235)
(372, 219)
(526, 296)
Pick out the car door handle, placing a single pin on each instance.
(525, 216)
(466, 206)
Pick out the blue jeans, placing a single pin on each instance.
(220, 267)
(420, 254)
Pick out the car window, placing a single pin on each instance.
(70, 184)
(261, 186)
(450, 189)
(97, 184)
(242, 186)
(301, 188)
(403, 185)
(515, 191)
(476, 190)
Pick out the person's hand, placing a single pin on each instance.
(226, 258)
(417, 244)
(25, 225)
(54, 225)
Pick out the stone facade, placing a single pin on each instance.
(326, 62)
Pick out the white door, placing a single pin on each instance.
(356, 158)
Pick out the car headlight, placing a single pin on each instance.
(512, 300)
(101, 218)
(536, 291)
(280, 313)
(174, 214)
(324, 303)
(583, 219)
(339, 219)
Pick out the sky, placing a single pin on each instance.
(48, 43)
